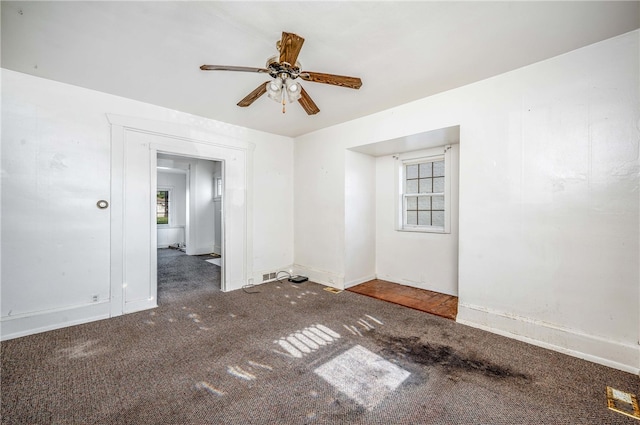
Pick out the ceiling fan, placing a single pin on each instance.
(284, 68)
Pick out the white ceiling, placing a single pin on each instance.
(151, 51)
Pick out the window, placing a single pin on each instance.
(217, 188)
(162, 207)
(424, 192)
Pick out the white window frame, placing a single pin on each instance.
(217, 188)
(171, 206)
(418, 157)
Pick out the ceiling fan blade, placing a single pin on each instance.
(336, 80)
(232, 68)
(254, 95)
(290, 46)
(309, 105)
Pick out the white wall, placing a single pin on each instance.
(421, 260)
(549, 223)
(173, 233)
(56, 159)
(273, 205)
(55, 167)
(359, 213)
(319, 215)
(201, 212)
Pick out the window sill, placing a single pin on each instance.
(423, 230)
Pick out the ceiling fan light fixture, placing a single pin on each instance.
(293, 90)
(274, 90)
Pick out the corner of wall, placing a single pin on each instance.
(320, 276)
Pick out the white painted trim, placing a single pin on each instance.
(320, 276)
(416, 157)
(567, 341)
(153, 231)
(193, 136)
(411, 283)
(358, 281)
(248, 213)
(202, 250)
(139, 305)
(179, 131)
(116, 208)
(48, 320)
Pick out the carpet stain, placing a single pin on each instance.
(442, 355)
(81, 350)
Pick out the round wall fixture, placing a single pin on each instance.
(102, 204)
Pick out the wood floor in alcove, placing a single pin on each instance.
(419, 299)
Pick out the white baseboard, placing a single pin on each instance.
(201, 251)
(257, 277)
(139, 305)
(320, 276)
(358, 281)
(625, 357)
(33, 323)
(413, 284)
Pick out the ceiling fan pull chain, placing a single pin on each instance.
(283, 108)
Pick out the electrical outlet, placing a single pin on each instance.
(95, 298)
(265, 277)
(272, 275)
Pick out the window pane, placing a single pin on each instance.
(438, 169)
(438, 218)
(412, 171)
(412, 203)
(424, 203)
(162, 207)
(437, 202)
(421, 180)
(425, 185)
(438, 184)
(424, 218)
(425, 170)
(412, 186)
(412, 217)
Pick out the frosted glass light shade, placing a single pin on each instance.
(274, 90)
(293, 90)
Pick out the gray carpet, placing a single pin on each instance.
(180, 274)
(294, 354)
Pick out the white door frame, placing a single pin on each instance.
(135, 143)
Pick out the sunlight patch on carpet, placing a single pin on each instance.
(363, 376)
(307, 340)
(238, 372)
(365, 323)
(207, 387)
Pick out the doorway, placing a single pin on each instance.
(188, 214)
(135, 143)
